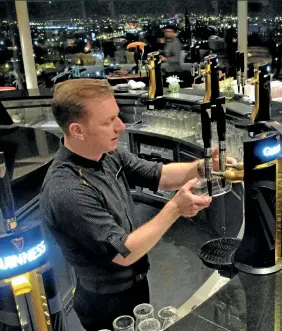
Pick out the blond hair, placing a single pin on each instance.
(70, 96)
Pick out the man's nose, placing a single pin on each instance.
(120, 125)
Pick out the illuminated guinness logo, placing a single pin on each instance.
(271, 151)
(23, 258)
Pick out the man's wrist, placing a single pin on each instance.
(173, 210)
(200, 168)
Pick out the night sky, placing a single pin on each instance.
(58, 9)
(66, 9)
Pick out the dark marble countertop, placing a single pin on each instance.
(186, 95)
(189, 95)
(246, 302)
(26, 150)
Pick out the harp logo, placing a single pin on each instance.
(18, 244)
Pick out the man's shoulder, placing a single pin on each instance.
(60, 178)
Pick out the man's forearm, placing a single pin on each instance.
(175, 175)
(142, 240)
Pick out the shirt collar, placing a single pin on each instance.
(67, 155)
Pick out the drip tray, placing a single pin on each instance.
(217, 253)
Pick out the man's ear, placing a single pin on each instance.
(76, 131)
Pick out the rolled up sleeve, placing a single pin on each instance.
(141, 172)
(79, 214)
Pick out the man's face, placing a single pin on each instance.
(169, 33)
(101, 126)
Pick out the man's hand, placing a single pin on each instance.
(215, 159)
(188, 204)
(163, 58)
(143, 239)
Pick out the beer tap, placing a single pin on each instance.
(214, 69)
(221, 133)
(152, 76)
(198, 73)
(218, 113)
(212, 110)
(238, 72)
(242, 67)
(192, 56)
(155, 92)
(233, 173)
(206, 126)
(192, 53)
(155, 75)
(138, 55)
(262, 108)
(262, 79)
(197, 60)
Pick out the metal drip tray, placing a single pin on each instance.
(217, 253)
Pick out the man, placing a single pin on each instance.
(87, 205)
(172, 51)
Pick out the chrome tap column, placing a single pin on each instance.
(212, 110)
(206, 125)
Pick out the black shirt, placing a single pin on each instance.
(87, 206)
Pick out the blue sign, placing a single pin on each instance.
(22, 251)
(267, 149)
(271, 151)
(21, 259)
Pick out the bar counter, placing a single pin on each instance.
(246, 302)
(236, 107)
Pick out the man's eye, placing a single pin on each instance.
(109, 121)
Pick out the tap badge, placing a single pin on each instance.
(18, 243)
(2, 170)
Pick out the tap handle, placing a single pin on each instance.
(221, 119)
(242, 62)
(206, 124)
(221, 132)
(237, 61)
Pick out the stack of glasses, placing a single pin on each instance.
(174, 123)
(184, 124)
(234, 139)
(145, 320)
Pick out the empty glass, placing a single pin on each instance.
(124, 323)
(183, 123)
(150, 324)
(142, 312)
(167, 316)
(171, 122)
(200, 188)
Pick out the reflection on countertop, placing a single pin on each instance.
(246, 302)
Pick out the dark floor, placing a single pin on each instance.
(176, 271)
